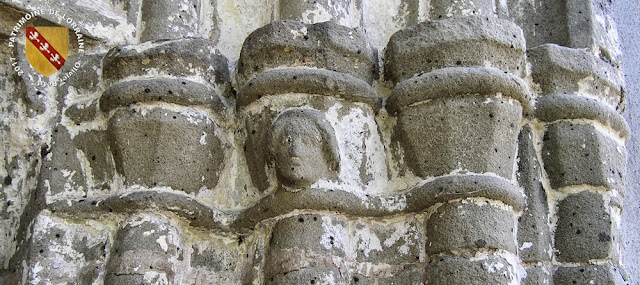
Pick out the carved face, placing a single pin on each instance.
(300, 148)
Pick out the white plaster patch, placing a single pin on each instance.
(367, 241)
(333, 235)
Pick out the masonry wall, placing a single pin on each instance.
(318, 142)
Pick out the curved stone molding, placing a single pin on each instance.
(418, 199)
(308, 81)
(288, 44)
(466, 41)
(453, 82)
(194, 59)
(560, 69)
(344, 12)
(550, 108)
(460, 270)
(177, 91)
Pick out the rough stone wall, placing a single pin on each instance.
(253, 142)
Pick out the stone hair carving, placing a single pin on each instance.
(302, 147)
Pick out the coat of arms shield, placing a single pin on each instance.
(47, 48)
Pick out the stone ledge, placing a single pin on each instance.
(308, 81)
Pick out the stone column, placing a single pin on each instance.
(344, 12)
(584, 156)
(169, 19)
(167, 104)
(459, 100)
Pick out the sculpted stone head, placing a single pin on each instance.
(302, 147)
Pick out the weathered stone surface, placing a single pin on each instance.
(474, 133)
(537, 276)
(410, 276)
(458, 270)
(308, 81)
(178, 91)
(395, 242)
(162, 148)
(188, 58)
(588, 274)
(220, 260)
(166, 19)
(93, 153)
(308, 276)
(573, 71)
(448, 9)
(82, 89)
(591, 27)
(583, 231)
(146, 245)
(542, 21)
(344, 12)
(64, 252)
(294, 44)
(61, 171)
(555, 107)
(452, 82)
(466, 41)
(576, 153)
(469, 224)
(306, 241)
(534, 237)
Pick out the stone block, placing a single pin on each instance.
(306, 241)
(395, 242)
(344, 12)
(470, 224)
(220, 260)
(196, 59)
(537, 276)
(583, 231)
(470, 133)
(542, 21)
(606, 274)
(465, 41)
(308, 276)
(576, 153)
(560, 69)
(146, 245)
(293, 44)
(62, 173)
(164, 148)
(167, 19)
(93, 152)
(534, 237)
(446, 9)
(410, 276)
(459, 271)
(65, 252)
(591, 27)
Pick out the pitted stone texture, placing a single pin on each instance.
(158, 147)
(555, 107)
(294, 44)
(307, 240)
(62, 172)
(462, 271)
(576, 153)
(168, 19)
(470, 224)
(472, 133)
(196, 59)
(344, 12)
(93, 153)
(395, 242)
(308, 81)
(467, 41)
(534, 237)
(537, 276)
(453, 82)
(178, 91)
(448, 9)
(591, 27)
(146, 245)
(63, 252)
(322, 275)
(542, 21)
(573, 71)
(83, 89)
(583, 231)
(220, 260)
(588, 274)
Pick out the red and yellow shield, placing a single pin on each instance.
(47, 48)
